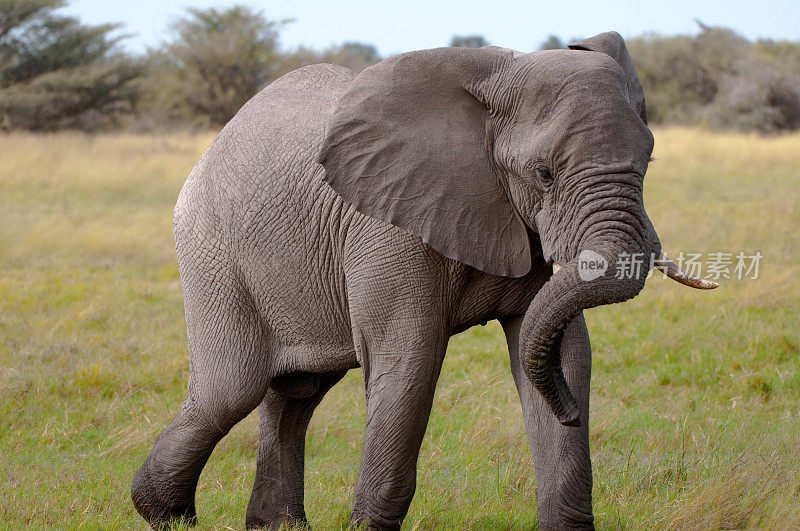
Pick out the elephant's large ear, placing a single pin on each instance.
(611, 43)
(409, 143)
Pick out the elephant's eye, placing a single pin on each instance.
(544, 175)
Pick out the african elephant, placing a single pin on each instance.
(343, 220)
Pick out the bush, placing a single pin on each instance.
(353, 55)
(760, 94)
(719, 78)
(215, 61)
(468, 41)
(218, 59)
(56, 72)
(552, 42)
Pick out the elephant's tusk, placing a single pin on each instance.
(674, 272)
(556, 267)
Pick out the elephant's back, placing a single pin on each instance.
(299, 102)
(283, 126)
(261, 165)
(263, 159)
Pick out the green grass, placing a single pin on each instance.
(695, 410)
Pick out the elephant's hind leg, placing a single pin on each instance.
(285, 413)
(229, 376)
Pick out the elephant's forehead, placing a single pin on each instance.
(556, 67)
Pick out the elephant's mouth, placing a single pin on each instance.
(673, 271)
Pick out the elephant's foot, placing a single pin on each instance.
(560, 524)
(267, 510)
(565, 518)
(361, 520)
(154, 506)
(285, 521)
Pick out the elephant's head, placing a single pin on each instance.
(470, 148)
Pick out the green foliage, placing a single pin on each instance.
(762, 90)
(216, 60)
(15, 12)
(719, 78)
(552, 42)
(468, 41)
(56, 72)
(354, 55)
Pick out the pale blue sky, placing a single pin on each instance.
(416, 24)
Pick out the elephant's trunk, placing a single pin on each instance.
(591, 279)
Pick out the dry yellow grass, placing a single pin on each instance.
(696, 419)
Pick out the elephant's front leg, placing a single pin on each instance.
(400, 386)
(560, 453)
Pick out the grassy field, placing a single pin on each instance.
(696, 417)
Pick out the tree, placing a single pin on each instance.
(216, 61)
(468, 41)
(56, 72)
(719, 78)
(354, 55)
(681, 74)
(760, 93)
(552, 42)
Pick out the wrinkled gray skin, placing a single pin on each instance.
(342, 221)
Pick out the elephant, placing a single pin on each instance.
(345, 220)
